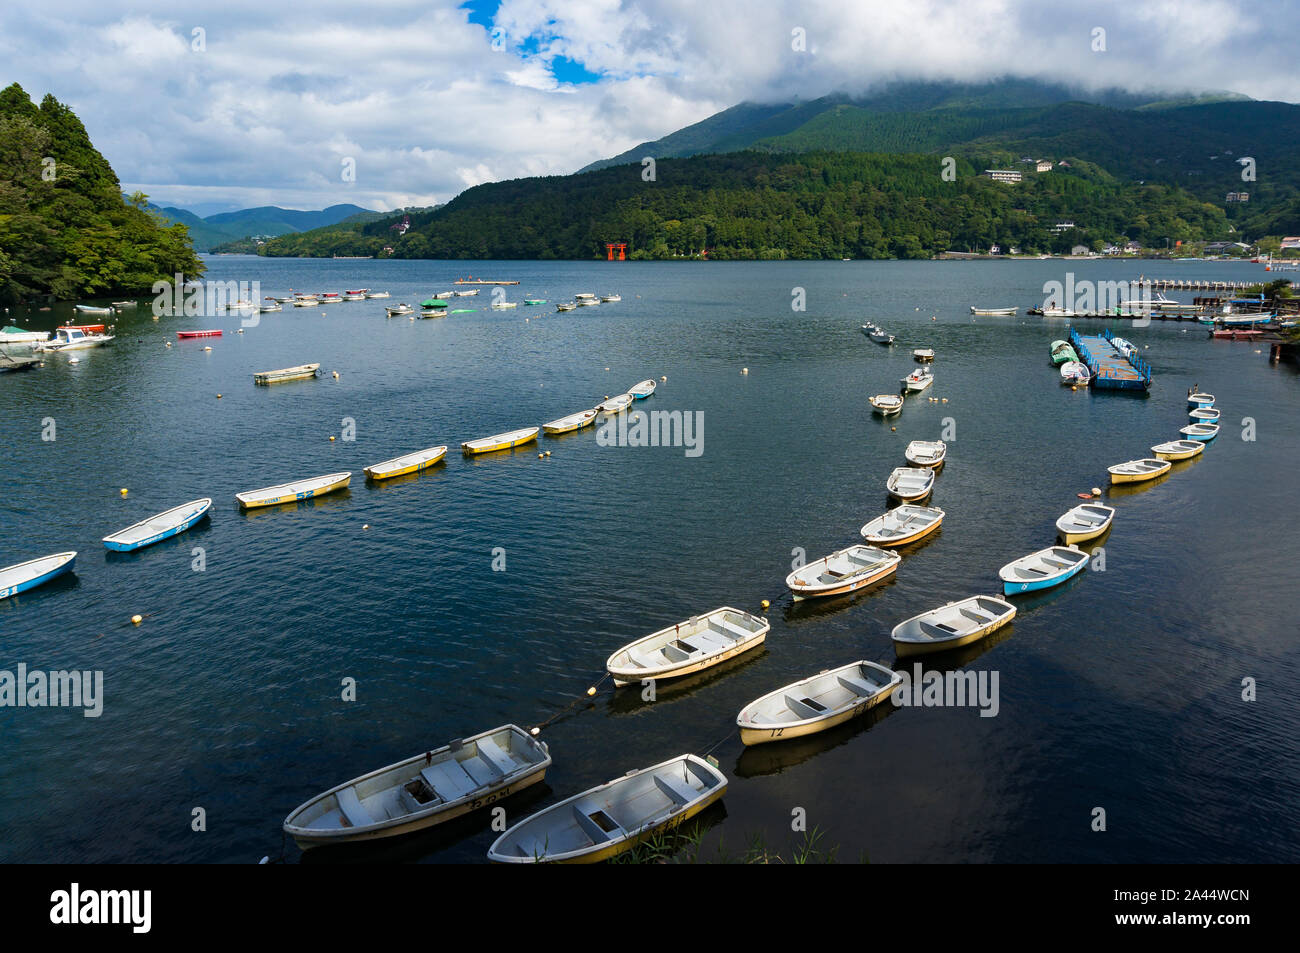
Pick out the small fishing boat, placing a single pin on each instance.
(503, 305)
(72, 339)
(288, 300)
(530, 302)
(433, 312)
(299, 373)
(399, 310)
(608, 298)
(407, 463)
(902, 525)
(566, 306)
(615, 405)
(125, 305)
(305, 302)
(1137, 471)
(642, 390)
(422, 791)
(951, 626)
(295, 491)
(1042, 570)
(582, 418)
(917, 381)
(92, 309)
(1063, 353)
(687, 647)
(910, 483)
(1201, 400)
(994, 312)
(501, 441)
(157, 528)
(242, 305)
(270, 308)
(841, 572)
(926, 453)
(1205, 432)
(16, 335)
(437, 302)
(466, 294)
(886, 404)
(585, 300)
(1178, 449)
(356, 293)
(329, 297)
(923, 355)
(378, 294)
(817, 704)
(443, 295)
(211, 333)
(1075, 373)
(880, 336)
(1086, 521)
(614, 817)
(1204, 415)
(35, 572)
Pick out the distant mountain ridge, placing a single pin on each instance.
(212, 230)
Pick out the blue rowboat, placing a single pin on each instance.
(1204, 415)
(1201, 400)
(1204, 432)
(34, 572)
(157, 528)
(1042, 570)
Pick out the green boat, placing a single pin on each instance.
(534, 301)
(433, 303)
(1062, 352)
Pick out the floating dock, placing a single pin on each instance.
(1111, 368)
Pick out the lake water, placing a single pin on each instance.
(1122, 690)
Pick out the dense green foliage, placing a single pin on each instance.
(64, 228)
(766, 206)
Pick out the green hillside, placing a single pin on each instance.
(64, 228)
(763, 205)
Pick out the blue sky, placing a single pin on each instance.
(244, 102)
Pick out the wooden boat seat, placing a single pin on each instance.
(856, 685)
(677, 790)
(938, 630)
(707, 641)
(481, 770)
(978, 615)
(448, 780)
(679, 651)
(1057, 563)
(643, 660)
(491, 752)
(351, 808)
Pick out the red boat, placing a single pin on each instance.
(85, 328)
(198, 334)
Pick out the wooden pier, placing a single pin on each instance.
(1195, 284)
(1111, 368)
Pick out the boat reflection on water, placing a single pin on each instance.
(338, 499)
(1118, 490)
(829, 605)
(773, 758)
(419, 844)
(628, 700)
(1034, 600)
(406, 478)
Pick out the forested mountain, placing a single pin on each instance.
(763, 205)
(64, 228)
(213, 230)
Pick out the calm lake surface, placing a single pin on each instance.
(1121, 690)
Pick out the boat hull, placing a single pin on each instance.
(1179, 454)
(757, 733)
(57, 569)
(395, 467)
(188, 521)
(501, 442)
(250, 501)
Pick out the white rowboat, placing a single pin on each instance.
(952, 625)
(1084, 522)
(903, 524)
(687, 647)
(926, 453)
(159, 527)
(841, 572)
(817, 703)
(291, 492)
(910, 483)
(576, 421)
(1178, 449)
(422, 791)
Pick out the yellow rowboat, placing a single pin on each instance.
(817, 703)
(903, 524)
(1178, 449)
(427, 789)
(576, 421)
(408, 463)
(951, 626)
(842, 572)
(301, 372)
(502, 441)
(292, 492)
(607, 820)
(688, 647)
(1084, 522)
(1136, 471)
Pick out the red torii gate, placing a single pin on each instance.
(622, 250)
